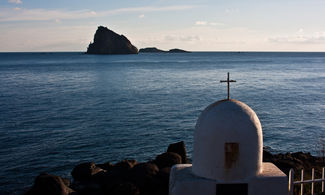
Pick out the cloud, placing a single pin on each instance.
(150, 9)
(141, 16)
(205, 23)
(231, 11)
(216, 24)
(6, 15)
(300, 38)
(15, 1)
(187, 38)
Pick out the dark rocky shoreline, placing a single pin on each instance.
(130, 177)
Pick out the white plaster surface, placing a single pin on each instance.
(271, 181)
(227, 121)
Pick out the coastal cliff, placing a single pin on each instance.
(130, 177)
(108, 42)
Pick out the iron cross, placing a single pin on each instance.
(228, 82)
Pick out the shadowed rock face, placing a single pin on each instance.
(179, 148)
(108, 42)
(51, 185)
(84, 171)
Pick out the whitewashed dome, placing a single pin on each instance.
(228, 142)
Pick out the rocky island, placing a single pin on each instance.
(156, 50)
(177, 51)
(107, 41)
(151, 50)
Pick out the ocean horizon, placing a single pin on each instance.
(59, 109)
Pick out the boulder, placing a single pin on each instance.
(87, 188)
(66, 181)
(167, 159)
(125, 189)
(118, 174)
(162, 181)
(180, 149)
(125, 164)
(142, 174)
(105, 166)
(163, 175)
(285, 165)
(267, 156)
(50, 185)
(305, 157)
(84, 171)
(108, 42)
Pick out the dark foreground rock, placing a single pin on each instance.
(168, 159)
(51, 185)
(108, 42)
(85, 171)
(130, 177)
(180, 149)
(127, 177)
(296, 161)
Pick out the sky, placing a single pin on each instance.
(205, 25)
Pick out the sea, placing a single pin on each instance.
(61, 109)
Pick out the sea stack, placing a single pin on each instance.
(107, 41)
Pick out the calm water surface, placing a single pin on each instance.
(61, 109)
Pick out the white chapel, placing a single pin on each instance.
(227, 156)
